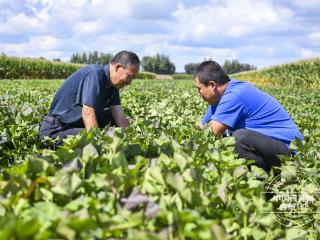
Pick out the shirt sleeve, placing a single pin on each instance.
(115, 97)
(230, 110)
(90, 89)
(207, 117)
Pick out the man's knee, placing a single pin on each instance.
(44, 130)
(244, 141)
(241, 135)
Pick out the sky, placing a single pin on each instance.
(258, 32)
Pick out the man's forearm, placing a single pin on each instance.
(119, 116)
(89, 117)
(122, 122)
(125, 123)
(218, 128)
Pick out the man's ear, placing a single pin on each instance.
(117, 67)
(212, 84)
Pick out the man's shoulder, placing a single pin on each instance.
(93, 72)
(239, 83)
(93, 67)
(238, 91)
(238, 86)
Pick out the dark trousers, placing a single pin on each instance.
(261, 148)
(52, 128)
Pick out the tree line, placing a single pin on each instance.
(159, 63)
(230, 67)
(91, 57)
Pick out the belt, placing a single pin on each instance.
(51, 120)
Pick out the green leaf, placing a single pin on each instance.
(239, 171)
(219, 232)
(66, 232)
(89, 151)
(119, 160)
(242, 202)
(37, 165)
(296, 144)
(266, 221)
(222, 191)
(28, 111)
(155, 172)
(230, 225)
(66, 183)
(258, 234)
(180, 160)
(295, 233)
(176, 181)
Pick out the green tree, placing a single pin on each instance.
(91, 57)
(190, 68)
(95, 57)
(159, 64)
(234, 66)
(75, 58)
(105, 58)
(84, 58)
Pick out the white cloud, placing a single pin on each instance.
(35, 44)
(89, 27)
(315, 38)
(234, 18)
(22, 24)
(257, 32)
(309, 53)
(309, 4)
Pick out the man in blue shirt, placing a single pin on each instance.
(262, 128)
(90, 98)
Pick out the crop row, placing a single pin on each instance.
(27, 68)
(159, 179)
(303, 73)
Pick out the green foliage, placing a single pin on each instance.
(182, 76)
(303, 73)
(234, 66)
(25, 68)
(159, 179)
(159, 64)
(146, 75)
(190, 68)
(91, 57)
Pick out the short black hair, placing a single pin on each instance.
(211, 71)
(125, 58)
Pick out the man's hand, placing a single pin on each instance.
(89, 117)
(218, 128)
(119, 116)
(200, 126)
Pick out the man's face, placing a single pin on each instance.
(124, 76)
(209, 93)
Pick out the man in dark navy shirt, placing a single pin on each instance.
(90, 98)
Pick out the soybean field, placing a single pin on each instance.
(162, 178)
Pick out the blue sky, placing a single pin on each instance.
(259, 32)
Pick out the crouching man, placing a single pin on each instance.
(262, 128)
(90, 98)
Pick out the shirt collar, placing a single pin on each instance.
(106, 69)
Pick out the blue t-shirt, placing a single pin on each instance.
(244, 106)
(89, 86)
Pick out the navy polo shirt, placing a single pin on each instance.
(89, 86)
